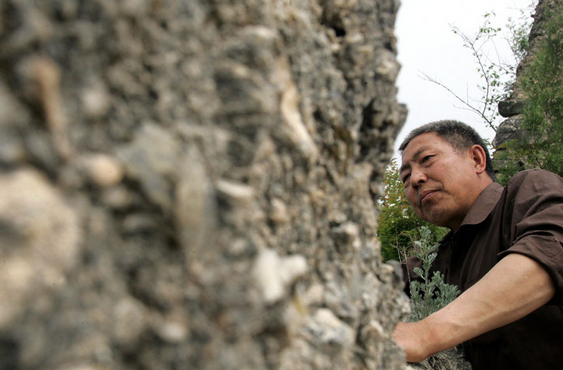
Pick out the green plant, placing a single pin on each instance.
(429, 293)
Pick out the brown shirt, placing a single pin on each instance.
(526, 217)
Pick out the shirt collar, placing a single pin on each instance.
(483, 205)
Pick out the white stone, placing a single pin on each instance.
(292, 267)
(102, 169)
(328, 329)
(236, 191)
(96, 101)
(274, 274)
(40, 243)
(278, 213)
(373, 332)
(267, 275)
(291, 115)
(173, 331)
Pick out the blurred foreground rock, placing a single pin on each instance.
(191, 184)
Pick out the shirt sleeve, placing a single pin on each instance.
(535, 214)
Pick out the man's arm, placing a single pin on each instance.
(515, 287)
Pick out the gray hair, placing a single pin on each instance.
(458, 134)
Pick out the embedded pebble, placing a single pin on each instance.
(330, 330)
(96, 101)
(103, 170)
(235, 191)
(278, 213)
(274, 274)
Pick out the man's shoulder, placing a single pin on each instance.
(536, 176)
(531, 186)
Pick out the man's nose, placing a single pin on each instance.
(418, 177)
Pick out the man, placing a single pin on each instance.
(504, 252)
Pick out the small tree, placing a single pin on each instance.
(497, 74)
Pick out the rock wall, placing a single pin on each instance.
(511, 109)
(191, 184)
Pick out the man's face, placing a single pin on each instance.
(441, 184)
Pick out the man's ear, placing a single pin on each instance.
(479, 158)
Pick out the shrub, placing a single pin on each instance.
(430, 293)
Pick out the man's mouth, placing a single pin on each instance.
(423, 195)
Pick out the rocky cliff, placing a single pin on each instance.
(191, 184)
(511, 109)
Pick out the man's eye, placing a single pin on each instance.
(425, 159)
(405, 179)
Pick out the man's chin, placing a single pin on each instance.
(435, 217)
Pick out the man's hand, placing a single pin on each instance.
(410, 336)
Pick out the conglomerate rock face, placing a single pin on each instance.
(512, 108)
(191, 184)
